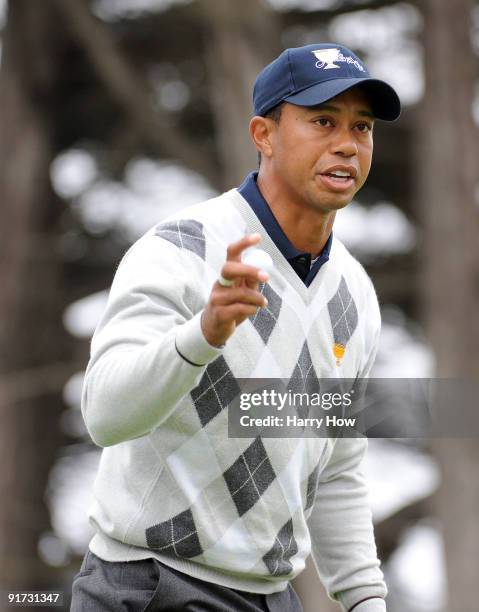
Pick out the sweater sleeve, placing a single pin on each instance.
(343, 546)
(148, 349)
(341, 527)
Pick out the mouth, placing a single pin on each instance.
(337, 182)
(339, 177)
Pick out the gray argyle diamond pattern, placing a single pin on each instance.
(249, 476)
(311, 487)
(177, 536)
(277, 559)
(304, 379)
(185, 233)
(216, 390)
(343, 314)
(265, 318)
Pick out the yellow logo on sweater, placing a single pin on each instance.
(338, 350)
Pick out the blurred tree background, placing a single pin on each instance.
(114, 113)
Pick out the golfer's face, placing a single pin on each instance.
(314, 148)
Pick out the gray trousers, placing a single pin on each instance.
(151, 586)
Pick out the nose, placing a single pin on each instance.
(344, 144)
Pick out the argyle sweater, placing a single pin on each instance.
(241, 512)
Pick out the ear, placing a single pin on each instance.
(260, 130)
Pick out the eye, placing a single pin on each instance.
(322, 121)
(364, 128)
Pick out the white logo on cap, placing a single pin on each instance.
(328, 57)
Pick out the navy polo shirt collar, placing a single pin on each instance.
(299, 260)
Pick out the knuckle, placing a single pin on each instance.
(247, 309)
(255, 297)
(246, 296)
(226, 269)
(214, 297)
(253, 301)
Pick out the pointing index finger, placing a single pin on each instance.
(234, 250)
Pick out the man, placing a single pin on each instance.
(187, 518)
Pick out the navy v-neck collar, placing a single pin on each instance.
(299, 260)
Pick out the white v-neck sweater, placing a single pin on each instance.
(171, 484)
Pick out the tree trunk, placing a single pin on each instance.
(447, 167)
(31, 333)
(237, 50)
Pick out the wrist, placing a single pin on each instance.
(213, 339)
(192, 345)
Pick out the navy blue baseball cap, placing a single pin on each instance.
(313, 74)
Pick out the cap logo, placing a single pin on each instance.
(327, 58)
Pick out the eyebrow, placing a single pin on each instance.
(335, 109)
